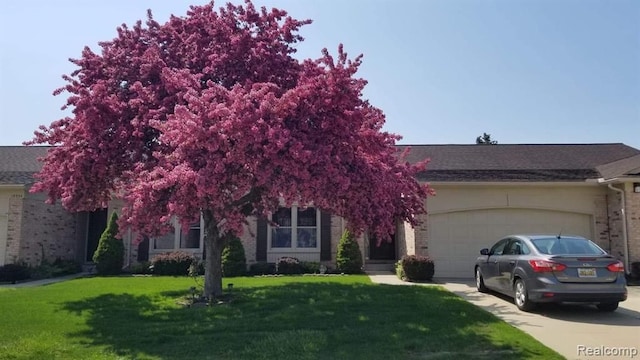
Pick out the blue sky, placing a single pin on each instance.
(443, 71)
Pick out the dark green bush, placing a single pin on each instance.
(234, 262)
(174, 263)
(141, 268)
(65, 267)
(288, 266)
(262, 268)
(14, 272)
(109, 256)
(310, 267)
(399, 270)
(349, 257)
(417, 267)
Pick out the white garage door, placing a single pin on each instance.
(455, 238)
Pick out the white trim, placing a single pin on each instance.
(177, 232)
(294, 235)
(588, 182)
(12, 186)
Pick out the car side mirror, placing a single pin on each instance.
(484, 251)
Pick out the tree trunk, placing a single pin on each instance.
(213, 246)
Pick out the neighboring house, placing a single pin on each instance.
(482, 194)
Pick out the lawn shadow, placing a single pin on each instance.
(300, 321)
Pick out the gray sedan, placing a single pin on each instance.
(547, 268)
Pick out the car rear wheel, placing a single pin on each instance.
(608, 307)
(480, 281)
(521, 296)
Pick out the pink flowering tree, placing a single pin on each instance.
(209, 115)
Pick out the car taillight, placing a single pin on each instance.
(546, 266)
(617, 266)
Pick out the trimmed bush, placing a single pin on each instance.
(417, 268)
(109, 256)
(65, 267)
(399, 270)
(174, 263)
(141, 268)
(14, 272)
(288, 266)
(262, 268)
(349, 257)
(234, 262)
(310, 267)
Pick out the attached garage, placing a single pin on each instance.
(457, 237)
(464, 218)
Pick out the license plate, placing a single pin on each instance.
(586, 272)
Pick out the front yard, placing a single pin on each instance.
(301, 317)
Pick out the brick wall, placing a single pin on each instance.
(14, 227)
(249, 239)
(421, 235)
(633, 223)
(632, 202)
(47, 231)
(602, 234)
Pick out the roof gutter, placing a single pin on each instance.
(623, 210)
(12, 186)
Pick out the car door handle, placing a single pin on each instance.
(512, 262)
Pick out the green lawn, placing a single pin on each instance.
(270, 318)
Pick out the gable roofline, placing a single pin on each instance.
(624, 168)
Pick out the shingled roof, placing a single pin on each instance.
(502, 162)
(19, 163)
(519, 162)
(626, 167)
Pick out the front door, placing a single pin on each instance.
(97, 223)
(386, 250)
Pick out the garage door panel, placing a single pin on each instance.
(456, 238)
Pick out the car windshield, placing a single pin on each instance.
(566, 246)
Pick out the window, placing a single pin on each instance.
(190, 239)
(179, 238)
(516, 247)
(499, 247)
(165, 242)
(297, 228)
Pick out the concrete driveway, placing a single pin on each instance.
(575, 331)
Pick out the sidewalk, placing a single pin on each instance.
(43, 282)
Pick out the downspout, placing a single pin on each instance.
(625, 241)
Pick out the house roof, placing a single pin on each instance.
(626, 167)
(520, 162)
(19, 163)
(502, 162)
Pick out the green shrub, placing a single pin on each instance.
(288, 266)
(234, 262)
(262, 268)
(417, 268)
(14, 272)
(141, 268)
(109, 256)
(310, 267)
(65, 267)
(174, 263)
(349, 257)
(399, 270)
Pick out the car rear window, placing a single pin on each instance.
(566, 246)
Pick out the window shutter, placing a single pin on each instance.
(325, 236)
(261, 241)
